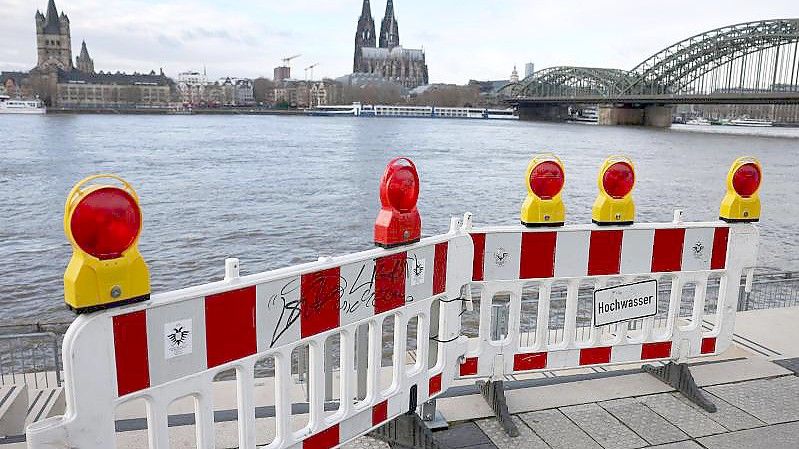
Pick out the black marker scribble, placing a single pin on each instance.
(289, 310)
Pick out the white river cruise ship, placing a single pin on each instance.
(359, 110)
(9, 106)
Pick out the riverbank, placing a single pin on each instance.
(166, 111)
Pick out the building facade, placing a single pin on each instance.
(53, 40)
(389, 59)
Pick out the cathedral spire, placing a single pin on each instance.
(364, 35)
(389, 29)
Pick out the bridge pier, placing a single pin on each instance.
(657, 116)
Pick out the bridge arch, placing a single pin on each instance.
(676, 68)
(759, 56)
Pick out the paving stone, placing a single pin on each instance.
(603, 427)
(729, 416)
(791, 364)
(464, 436)
(366, 443)
(771, 400)
(558, 431)
(643, 421)
(682, 415)
(526, 439)
(778, 436)
(689, 444)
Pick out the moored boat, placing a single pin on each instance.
(11, 106)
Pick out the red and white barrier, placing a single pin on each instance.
(510, 260)
(173, 346)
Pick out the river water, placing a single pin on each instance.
(276, 191)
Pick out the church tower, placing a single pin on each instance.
(84, 62)
(389, 29)
(53, 40)
(365, 36)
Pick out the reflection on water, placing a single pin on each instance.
(276, 191)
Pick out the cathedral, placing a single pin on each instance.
(389, 59)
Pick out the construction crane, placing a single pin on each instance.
(310, 67)
(287, 61)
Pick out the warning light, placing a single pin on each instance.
(544, 205)
(103, 223)
(398, 222)
(614, 205)
(742, 201)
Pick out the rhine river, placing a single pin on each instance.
(276, 191)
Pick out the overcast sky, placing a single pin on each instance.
(463, 39)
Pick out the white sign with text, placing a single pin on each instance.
(625, 302)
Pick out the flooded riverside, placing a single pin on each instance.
(276, 191)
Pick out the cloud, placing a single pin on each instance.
(463, 39)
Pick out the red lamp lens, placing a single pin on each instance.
(746, 180)
(619, 180)
(403, 188)
(546, 180)
(106, 222)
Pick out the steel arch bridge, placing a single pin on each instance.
(747, 62)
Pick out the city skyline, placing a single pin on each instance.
(242, 38)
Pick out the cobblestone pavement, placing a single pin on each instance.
(760, 413)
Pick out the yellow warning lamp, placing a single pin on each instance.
(544, 205)
(103, 223)
(614, 205)
(742, 201)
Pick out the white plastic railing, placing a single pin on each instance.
(174, 346)
(536, 312)
(536, 288)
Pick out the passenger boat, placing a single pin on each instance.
(360, 110)
(587, 115)
(751, 122)
(9, 106)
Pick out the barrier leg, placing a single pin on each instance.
(407, 431)
(493, 392)
(433, 419)
(679, 376)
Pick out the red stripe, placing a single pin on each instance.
(390, 282)
(469, 367)
(230, 326)
(708, 345)
(719, 259)
(659, 350)
(440, 269)
(592, 356)
(667, 250)
(479, 256)
(525, 362)
(130, 351)
(319, 301)
(326, 439)
(604, 254)
(434, 386)
(380, 413)
(537, 255)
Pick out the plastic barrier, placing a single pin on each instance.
(551, 297)
(173, 346)
(539, 309)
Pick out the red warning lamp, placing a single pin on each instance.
(546, 180)
(619, 180)
(398, 222)
(106, 222)
(746, 179)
